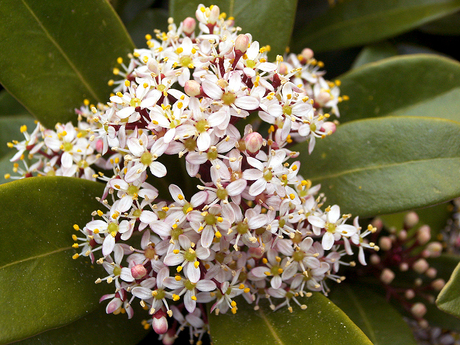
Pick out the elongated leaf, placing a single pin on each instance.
(42, 286)
(10, 106)
(145, 23)
(386, 165)
(445, 26)
(57, 53)
(449, 298)
(268, 21)
(373, 314)
(418, 85)
(94, 329)
(375, 52)
(321, 323)
(357, 22)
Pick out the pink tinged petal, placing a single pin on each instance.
(256, 163)
(217, 118)
(212, 90)
(206, 285)
(257, 187)
(306, 244)
(203, 253)
(126, 275)
(361, 256)
(103, 298)
(259, 271)
(175, 191)
(257, 221)
(290, 271)
(118, 253)
(327, 241)
(204, 141)
(125, 112)
(113, 305)
(196, 158)
(194, 320)
(158, 169)
(277, 293)
(334, 214)
(172, 283)
(316, 221)
(347, 230)
(97, 224)
(207, 236)
(134, 172)
(193, 273)
(184, 242)
(190, 304)
(162, 275)
(247, 102)
(173, 259)
(234, 83)
(252, 174)
(108, 245)
(161, 228)
(236, 187)
(199, 199)
(142, 292)
(347, 246)
(148, 217)
(66, 160)
(275, 282)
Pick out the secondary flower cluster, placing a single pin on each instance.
(255, 228)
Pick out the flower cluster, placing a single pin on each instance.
(254, 228)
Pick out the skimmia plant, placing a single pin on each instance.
(201, 188)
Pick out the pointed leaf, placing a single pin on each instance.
(416, 85)
(42, 286)
(357, 22)
(374, 52)
(373, 314)
(321, 323)
(386, 165)
(269, 21)
(10, 106)
(449, 298)
(57, 53)
(145, 23)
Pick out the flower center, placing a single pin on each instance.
(228, 98)
(210, 219)
(222, 193)
(287, 110)
(201, 126)
(113, 229)
(185, 61)
(242, 228)
(135, 102)
(146, 158)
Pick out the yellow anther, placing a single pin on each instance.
(175, 297)
(264, 261)
(247, 290)
(180, 105)
(234, 310)
(196, 264)
(294, 167)
(218, 234)
(116, 71)
(75, 256)
(179, 50)
(178, 269)
(241, 287)
(148, 37)
(136, 54)
(193, 297)
(127, 83)
(74, 237)
(220, 219)
(176, 251)
(7, 176)
(178, 278)
(233, 304)
(180, 197)
(10, 145)
(292, 196)
(280, 270)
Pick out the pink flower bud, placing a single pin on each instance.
(323, 97)
(192, 88)
(402, 235)
(329, 127)
(254, 142)
(375, 259)
(284, 68)
(188, 25)
(420, 266)
(411, 219)
(385, 243)
(377, 223)
(241, 44)
(409, 294)
(256, 252)
(387, 276)
(159, 322)
(438, 284)
(404, 266)
(432, 250)
(418, 310)
(99, 145)
(424, 234)
(138, 271)
(307, 54)
(431, 272)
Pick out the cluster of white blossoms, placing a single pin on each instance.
(254, 228)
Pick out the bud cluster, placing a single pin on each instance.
(255, 228)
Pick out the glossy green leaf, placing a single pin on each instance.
(57, 53)
(445, 26)
(386, 165)
(145, 23)
(10, 106)
(373, 314)
(321, 323)
(358, 22)
(418, 85)
(449, 298)
(375, 52)
(94, 329)
(268, 21)
(42, 286)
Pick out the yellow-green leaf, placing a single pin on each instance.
(449, 298)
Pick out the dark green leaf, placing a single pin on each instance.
(358, 22)
(57, 53)
(445, 26)
(321, 323)
(419, 85)
(269, 21)
(449, 298)
(375, 53)
(42, 286)
(145, 23)
(373, 314)
(10, 106)
(386, 165)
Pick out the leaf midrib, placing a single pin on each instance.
(270, 327)
(64, 55)
(362, 313)
(35, 257)
(379, 167)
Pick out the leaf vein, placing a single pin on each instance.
(270, 328)
(35, 257)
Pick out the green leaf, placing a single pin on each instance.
(373, 314)
(57, 53)
(445, 26)
(94, 329)
(321, 323)
(449, 298)
(386, 165)
(375, 52)
(418, 85)
(10, 106)
(42, 286)
(358, 22)
(269, 21)
(145, 23)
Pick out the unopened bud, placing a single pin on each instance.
(256, 252)
(375, 259)
(411, 219)
(377, 223)
(241, 43)
(402, 235)
(323, 97)
(431, 272)
(420, 266)
(188, 26)
(138, 271)
(329, 127)
(424, 234)
(438, 284)
(307, 54)
(214, 15)
(192, 88)
(387, 276)
(385, 243)
(254, 142)
(409, 294)
(418, 310)
(284, 68)
(159, 322)
(404, 266)
(432, 250)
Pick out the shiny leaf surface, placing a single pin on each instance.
(449, 298)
